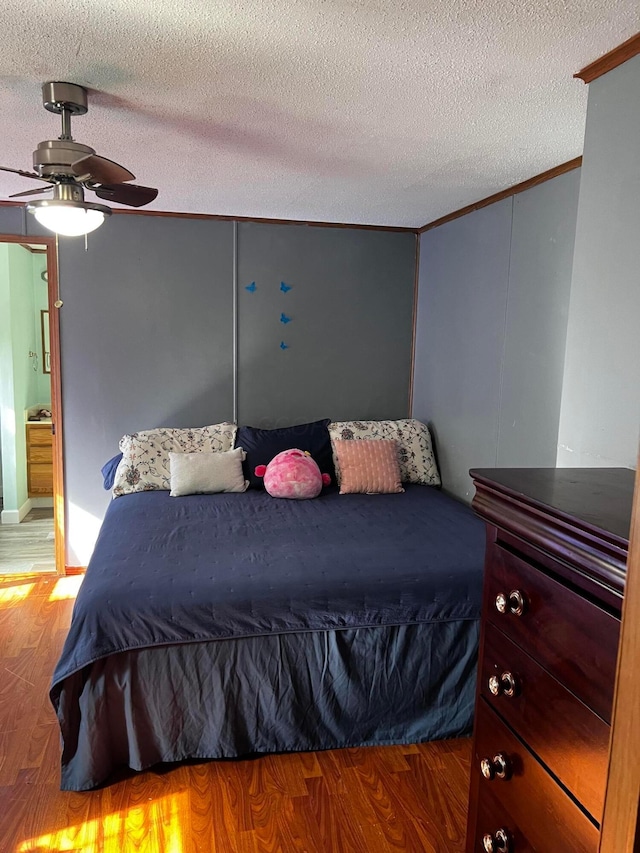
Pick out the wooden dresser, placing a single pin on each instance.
(557, 542)
(39, 459)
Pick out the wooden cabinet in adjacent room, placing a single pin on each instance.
(39, 460)
(557, 543)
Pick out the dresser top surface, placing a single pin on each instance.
(598, 499)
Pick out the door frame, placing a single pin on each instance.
(620, 822)
(56, 390)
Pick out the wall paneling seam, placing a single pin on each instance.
(414, 324)
(235, 321)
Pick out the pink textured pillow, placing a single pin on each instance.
(368, 465)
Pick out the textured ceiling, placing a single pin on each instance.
(365, 111)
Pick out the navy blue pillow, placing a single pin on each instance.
(108, 471)
(261, 445)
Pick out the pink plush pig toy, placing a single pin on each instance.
(293, 474)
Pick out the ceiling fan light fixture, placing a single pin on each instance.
(69, 218)
(67, 168)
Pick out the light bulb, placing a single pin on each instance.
(68, 220)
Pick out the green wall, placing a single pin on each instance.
(41, 303)
(19, 381)
(7, 419)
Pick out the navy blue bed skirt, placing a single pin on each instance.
(234, 698)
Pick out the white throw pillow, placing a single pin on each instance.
(145, 455)
(207, 473)
(415, 453)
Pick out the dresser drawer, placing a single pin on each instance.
(569, 738)
(494, 818)
(529, 798)
(39, 434)
(572, 638)
(40, 453)
(40, 479)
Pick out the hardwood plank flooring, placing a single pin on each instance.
(28, 546)
(370, 800)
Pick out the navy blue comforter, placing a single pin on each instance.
(227, 625)
(172, 570)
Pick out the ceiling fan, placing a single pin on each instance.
(70, 168)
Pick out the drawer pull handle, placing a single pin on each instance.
(495, 768)
(514, 603)
(499, 842)
(505, 685)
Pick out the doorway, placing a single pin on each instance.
(32, 517)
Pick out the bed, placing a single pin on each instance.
(226, 625)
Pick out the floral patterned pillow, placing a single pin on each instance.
(145, 455)
(415, 453)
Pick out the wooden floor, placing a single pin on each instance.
(28, 546)
(372, 800)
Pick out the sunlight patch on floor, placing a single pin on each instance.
(13, 594)
(66, 588)
(153, 827)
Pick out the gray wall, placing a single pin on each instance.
(491, 329)
(351, 312)
(146, 334)
(542, 241)
(12, 220)
(146, 341)
(601, 397)
(462, 292)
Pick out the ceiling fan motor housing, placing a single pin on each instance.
(68, 192)
(55, 157)
(57, 96)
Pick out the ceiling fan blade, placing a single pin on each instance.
(100, 170)
(130, 194)
(32, 192)
(23, 173)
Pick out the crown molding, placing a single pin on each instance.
(611, 60)
(514, 190)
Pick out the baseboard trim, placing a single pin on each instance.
(15, 516)
(41, 503)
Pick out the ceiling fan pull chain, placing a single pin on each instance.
(58, 303)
